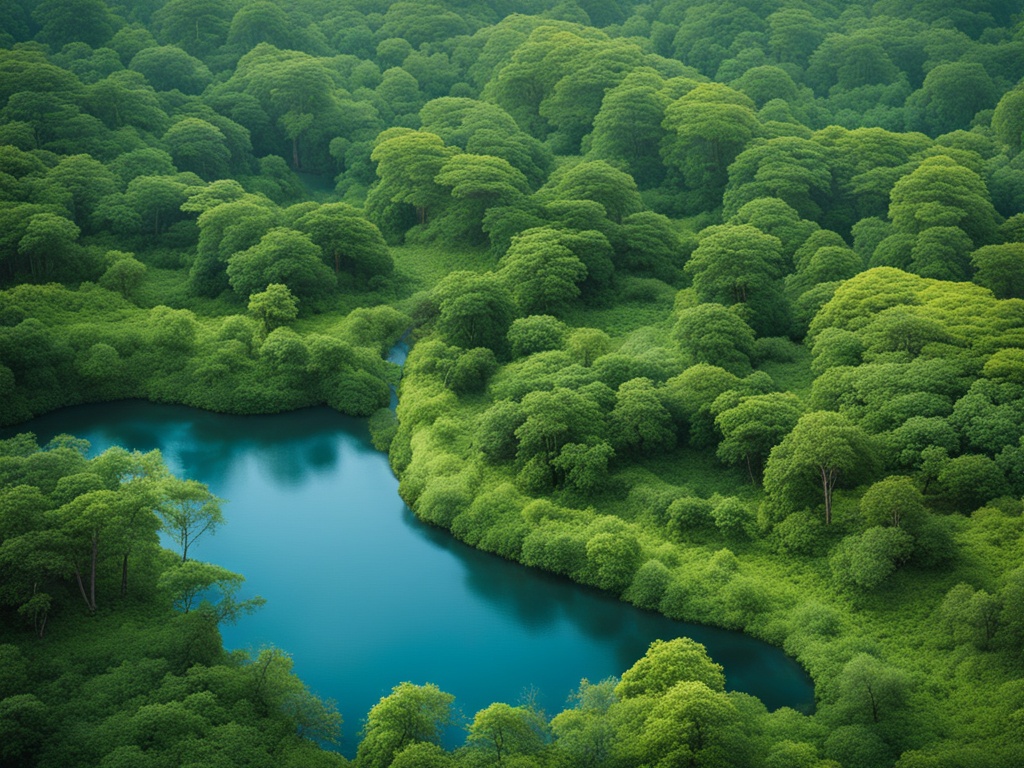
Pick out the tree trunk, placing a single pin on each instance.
(81, 588)
(92, 574)
(826, 484)
(124, 575)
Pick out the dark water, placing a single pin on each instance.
(363, 596)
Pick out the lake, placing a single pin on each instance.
(364, 596)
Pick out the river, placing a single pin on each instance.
(364, 596)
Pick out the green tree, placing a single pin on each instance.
(48, 243)
(477, 183)
(346, 238)
(894, 501)
(596, 180)
(552, 420)
(952, 94)
(639, 421)
(197, 26)
(409, 714)
(156, 200)
(824, 449)
(693, 724)
(755, 425)
(474, 310)
(628, 129)
(536, 333)
(667, 663)
(503, 731)
(169, 68)
(190, 580)
(865, 560)
(871, 691)
(647, 244)
(542, 273)
(124, 275)
(198, 146)
(707, 128)
(739, 264)
(408, 164)
(717, 335)
(260, 22)
(613, 559)
(87, 21)
(225, 229)
(970, 480)
(942, 193)
(1008, 120)
(788, 168)
(584, 467)
(273, 307)
(187, 511)
(281, 256)
(1000, 268)
(85, 181)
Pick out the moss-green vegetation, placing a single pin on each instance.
(717, 306)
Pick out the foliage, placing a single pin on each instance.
(830, 174)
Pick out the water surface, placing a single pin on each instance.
(364, 596)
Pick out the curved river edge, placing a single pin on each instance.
(806, 704)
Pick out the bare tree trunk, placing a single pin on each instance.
(124, 575)
(827, 487)
(92, 575)
(81, 587)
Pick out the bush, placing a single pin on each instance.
(688, 514)
(649, 584)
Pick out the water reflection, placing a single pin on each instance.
(364, 596)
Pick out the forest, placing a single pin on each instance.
(715, 306)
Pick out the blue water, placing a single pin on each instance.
(364, 596)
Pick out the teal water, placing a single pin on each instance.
(364, 596)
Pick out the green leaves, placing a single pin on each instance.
(542, 273)
(274, 306)
(667, 663)
(824, 450)
(408, 715)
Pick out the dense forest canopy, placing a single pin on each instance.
(716, 306)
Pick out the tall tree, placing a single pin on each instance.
(708, 127)
(755, 425)
(187, 511)
(824, 449)
(408, 164)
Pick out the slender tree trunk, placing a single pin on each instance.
(92, 574)
(295, 154)
(826, 483)
(81, 587)
(124, 574)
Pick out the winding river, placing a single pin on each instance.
(364, 596)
